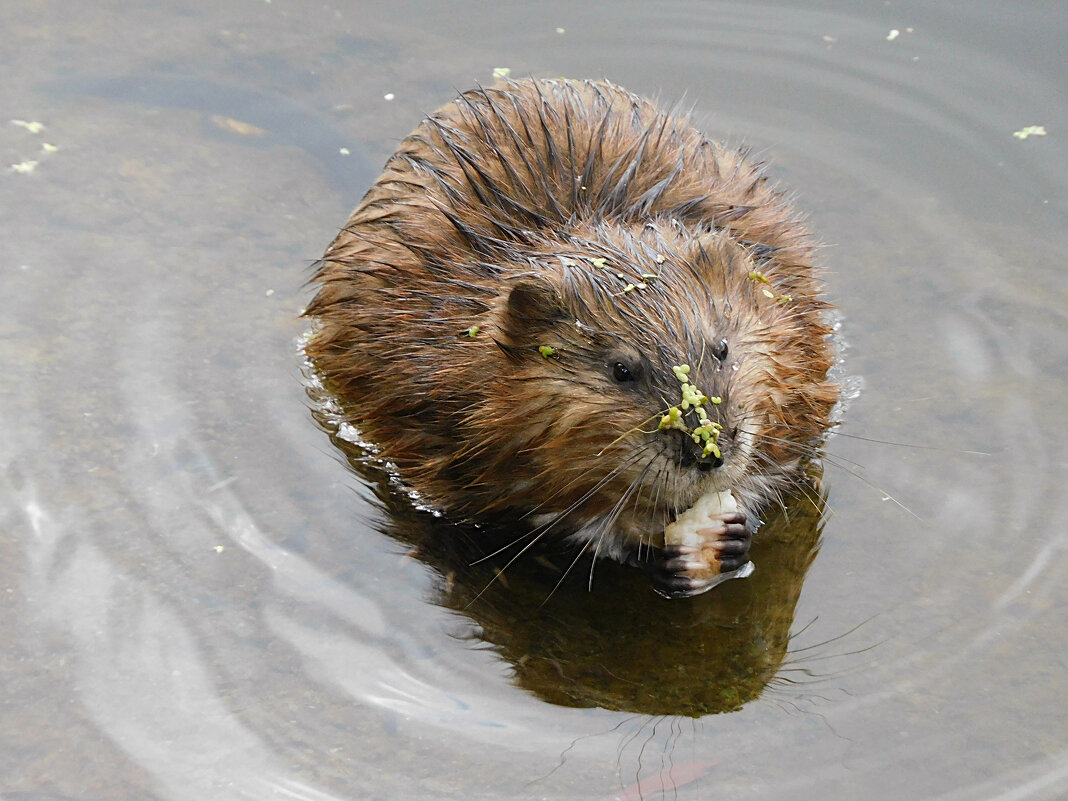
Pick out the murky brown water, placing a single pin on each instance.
(201, 601)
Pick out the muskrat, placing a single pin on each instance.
(513, 309)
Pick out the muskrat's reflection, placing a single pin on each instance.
(619, 646)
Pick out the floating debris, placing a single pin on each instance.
(893, 35)
(502, 72)
(1030, 130)
(388, 96)
(237, 126)
(48, 148)
(24, 167)
(32, 126)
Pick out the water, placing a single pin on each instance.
(200, 601)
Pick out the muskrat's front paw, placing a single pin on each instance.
(672, 570)
(683, 570)
(728, 539)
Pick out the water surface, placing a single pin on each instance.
(202, 601)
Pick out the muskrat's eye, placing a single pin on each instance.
(622, 372)
(719, 350)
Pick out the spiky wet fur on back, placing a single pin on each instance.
(495, 213)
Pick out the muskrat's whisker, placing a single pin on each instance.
(631, 431)
(593, 561)
(910, 445)
(829, 640)
(794, 483)
(624, 497)
(567, 570)
(799, 485)
(840, 463)
(800, 448)
(498, 573)
(791, 481)
(619, 468)
(535, 533)
(651, 486)
(540, 533)
(545, 528)
(610, 520)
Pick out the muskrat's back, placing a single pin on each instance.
(507, 312)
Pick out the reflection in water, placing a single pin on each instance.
(584, 634)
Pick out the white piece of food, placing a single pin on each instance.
(705, 564)
(684, 530)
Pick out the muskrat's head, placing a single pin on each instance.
(640, 370)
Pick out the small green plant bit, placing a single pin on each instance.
(630, 283)
(760, 278)
(705, 434)
(708, 434)
(473, 331)
(777, 298)
(546, 351)
(691, 396)
(673, 420)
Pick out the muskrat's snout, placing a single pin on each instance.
(702, 428)
(689, 454)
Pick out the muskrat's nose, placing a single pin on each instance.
(690, 454)
(709, 463)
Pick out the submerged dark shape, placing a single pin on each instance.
(506, 312)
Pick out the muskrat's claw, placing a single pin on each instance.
(669, 569)
(676, 570)
(730, 542)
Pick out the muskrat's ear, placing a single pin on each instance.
(532, 306)
(536, 300)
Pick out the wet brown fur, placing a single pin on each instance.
(491, 214)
